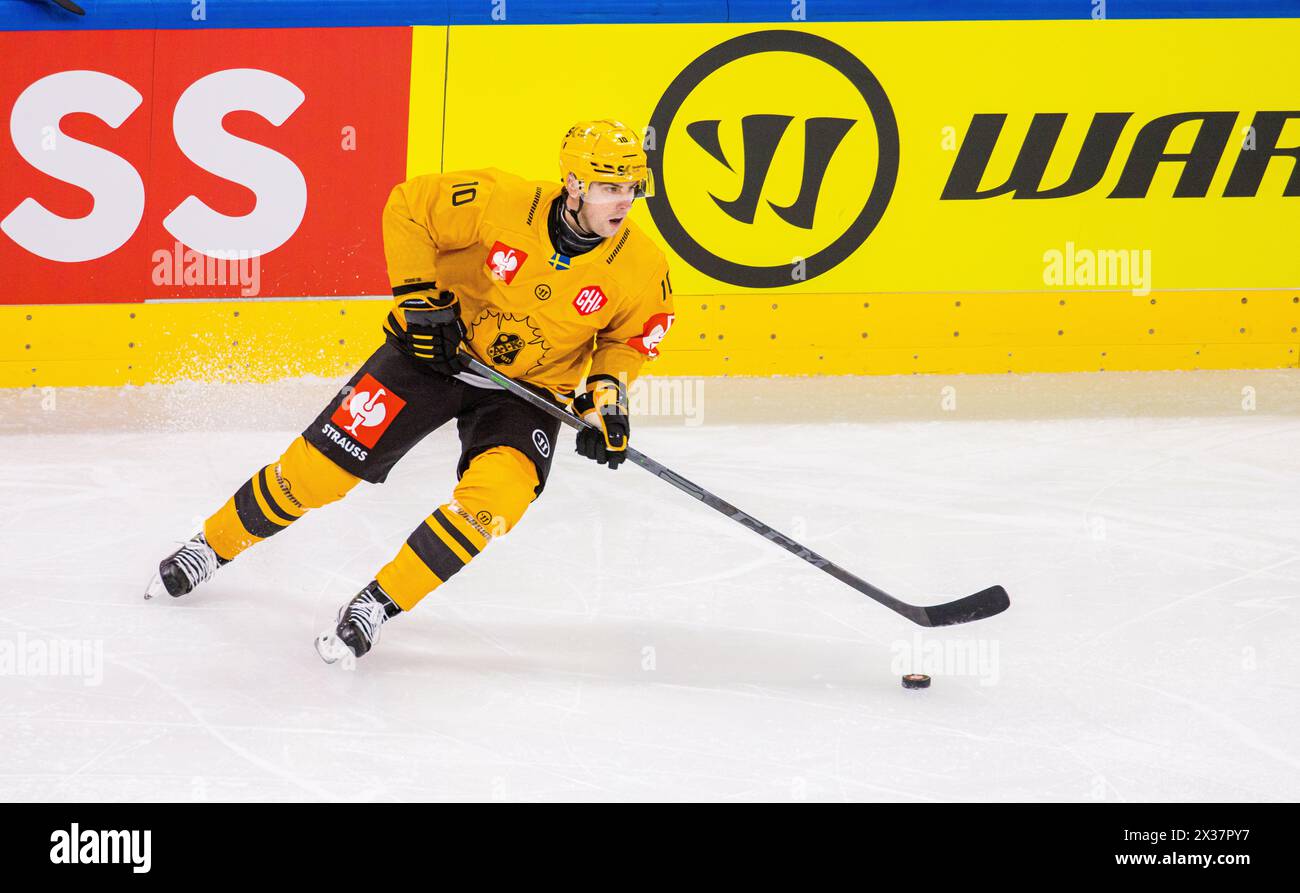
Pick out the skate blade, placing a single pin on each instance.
(331, 648)
(155, 587)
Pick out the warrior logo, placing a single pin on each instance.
(504, 262)
(479, 522)
(774, 202)
(504, 348)
(542, 442)
(368, 411)
(286, 488)
(589, 300)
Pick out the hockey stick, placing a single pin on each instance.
(982, 604)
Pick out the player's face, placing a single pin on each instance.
(606, 206)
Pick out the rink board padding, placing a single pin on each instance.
(873, 197)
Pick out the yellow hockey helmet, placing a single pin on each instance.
(604, 151)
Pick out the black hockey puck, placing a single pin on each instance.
(916, 680)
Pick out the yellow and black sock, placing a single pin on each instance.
(489, 500)
(279, 494)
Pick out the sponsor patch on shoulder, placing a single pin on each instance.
(656, 327)
(503, 262)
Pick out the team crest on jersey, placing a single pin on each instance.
(503, 262)
(589, 300)
(559, 261)
(504, 348)
(368, 411)
(508, 339)
(656, 327)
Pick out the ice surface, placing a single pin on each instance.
(627, 643)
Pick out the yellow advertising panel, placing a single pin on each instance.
(931, 196)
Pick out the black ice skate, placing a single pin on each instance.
(185, 568)
(358, 627)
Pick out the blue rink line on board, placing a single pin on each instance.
(42, 15)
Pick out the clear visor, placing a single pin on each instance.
(599, 193)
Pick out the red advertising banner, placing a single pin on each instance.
(199, 164)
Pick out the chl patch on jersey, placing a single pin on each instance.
(590, 299)
(542, 442)
(368, 411)
(504, 348)
(656, 327)
(504, 262)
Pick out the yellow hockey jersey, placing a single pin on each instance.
(529, 312)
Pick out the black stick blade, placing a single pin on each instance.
(985, 603)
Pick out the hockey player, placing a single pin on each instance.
(548, 283)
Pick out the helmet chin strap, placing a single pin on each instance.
(577, 226)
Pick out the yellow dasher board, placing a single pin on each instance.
(877, 197)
